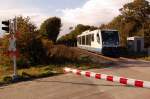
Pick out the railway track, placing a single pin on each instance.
(101, 56)
(108, 60)
(98, 57)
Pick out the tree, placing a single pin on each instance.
(26, 32)
(51, 28)
(136, 17)
(71, 38)
(138, 10)
(133, 21)
(136, 14)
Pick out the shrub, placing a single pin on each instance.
(84, 58)
(61, 54)
(22, 63)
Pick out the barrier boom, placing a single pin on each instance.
(122, 80)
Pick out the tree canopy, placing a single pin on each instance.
(51, 28)
(134, 20)
(138, 10)
(71, 38)
(27, 37)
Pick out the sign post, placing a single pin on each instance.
(12, 47)
(12, 51)
(10, 26)
(15, 76)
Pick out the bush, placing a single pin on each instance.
(5, 61)
(22, 63)
(84, 58)
(61, 54)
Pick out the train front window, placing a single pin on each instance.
(110, 37)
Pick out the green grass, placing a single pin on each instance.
(41, 71)
(29, 73)
(146, 58)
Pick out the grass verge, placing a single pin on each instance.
(43, 71)
(146, 58)
(30, 73)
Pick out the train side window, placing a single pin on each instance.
(92, 37)
(87, 39)
(83, 40)
(98, 38)
(80, 40)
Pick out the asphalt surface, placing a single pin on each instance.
(70, 86)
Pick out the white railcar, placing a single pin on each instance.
(103, 41)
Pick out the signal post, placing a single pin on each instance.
(11, 28)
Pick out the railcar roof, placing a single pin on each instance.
(95, 31)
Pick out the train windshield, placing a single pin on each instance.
(110, 37)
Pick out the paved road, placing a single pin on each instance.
(70, 86)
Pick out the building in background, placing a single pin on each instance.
(135, 44)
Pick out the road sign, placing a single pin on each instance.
(12, 41)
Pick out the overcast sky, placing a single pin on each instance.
(72, 12)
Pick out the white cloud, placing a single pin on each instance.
(65, 27)
(94, 12)
(35, 14)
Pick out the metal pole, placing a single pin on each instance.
(15, 67)
(15, 75)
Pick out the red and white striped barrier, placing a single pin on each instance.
(122, 80)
